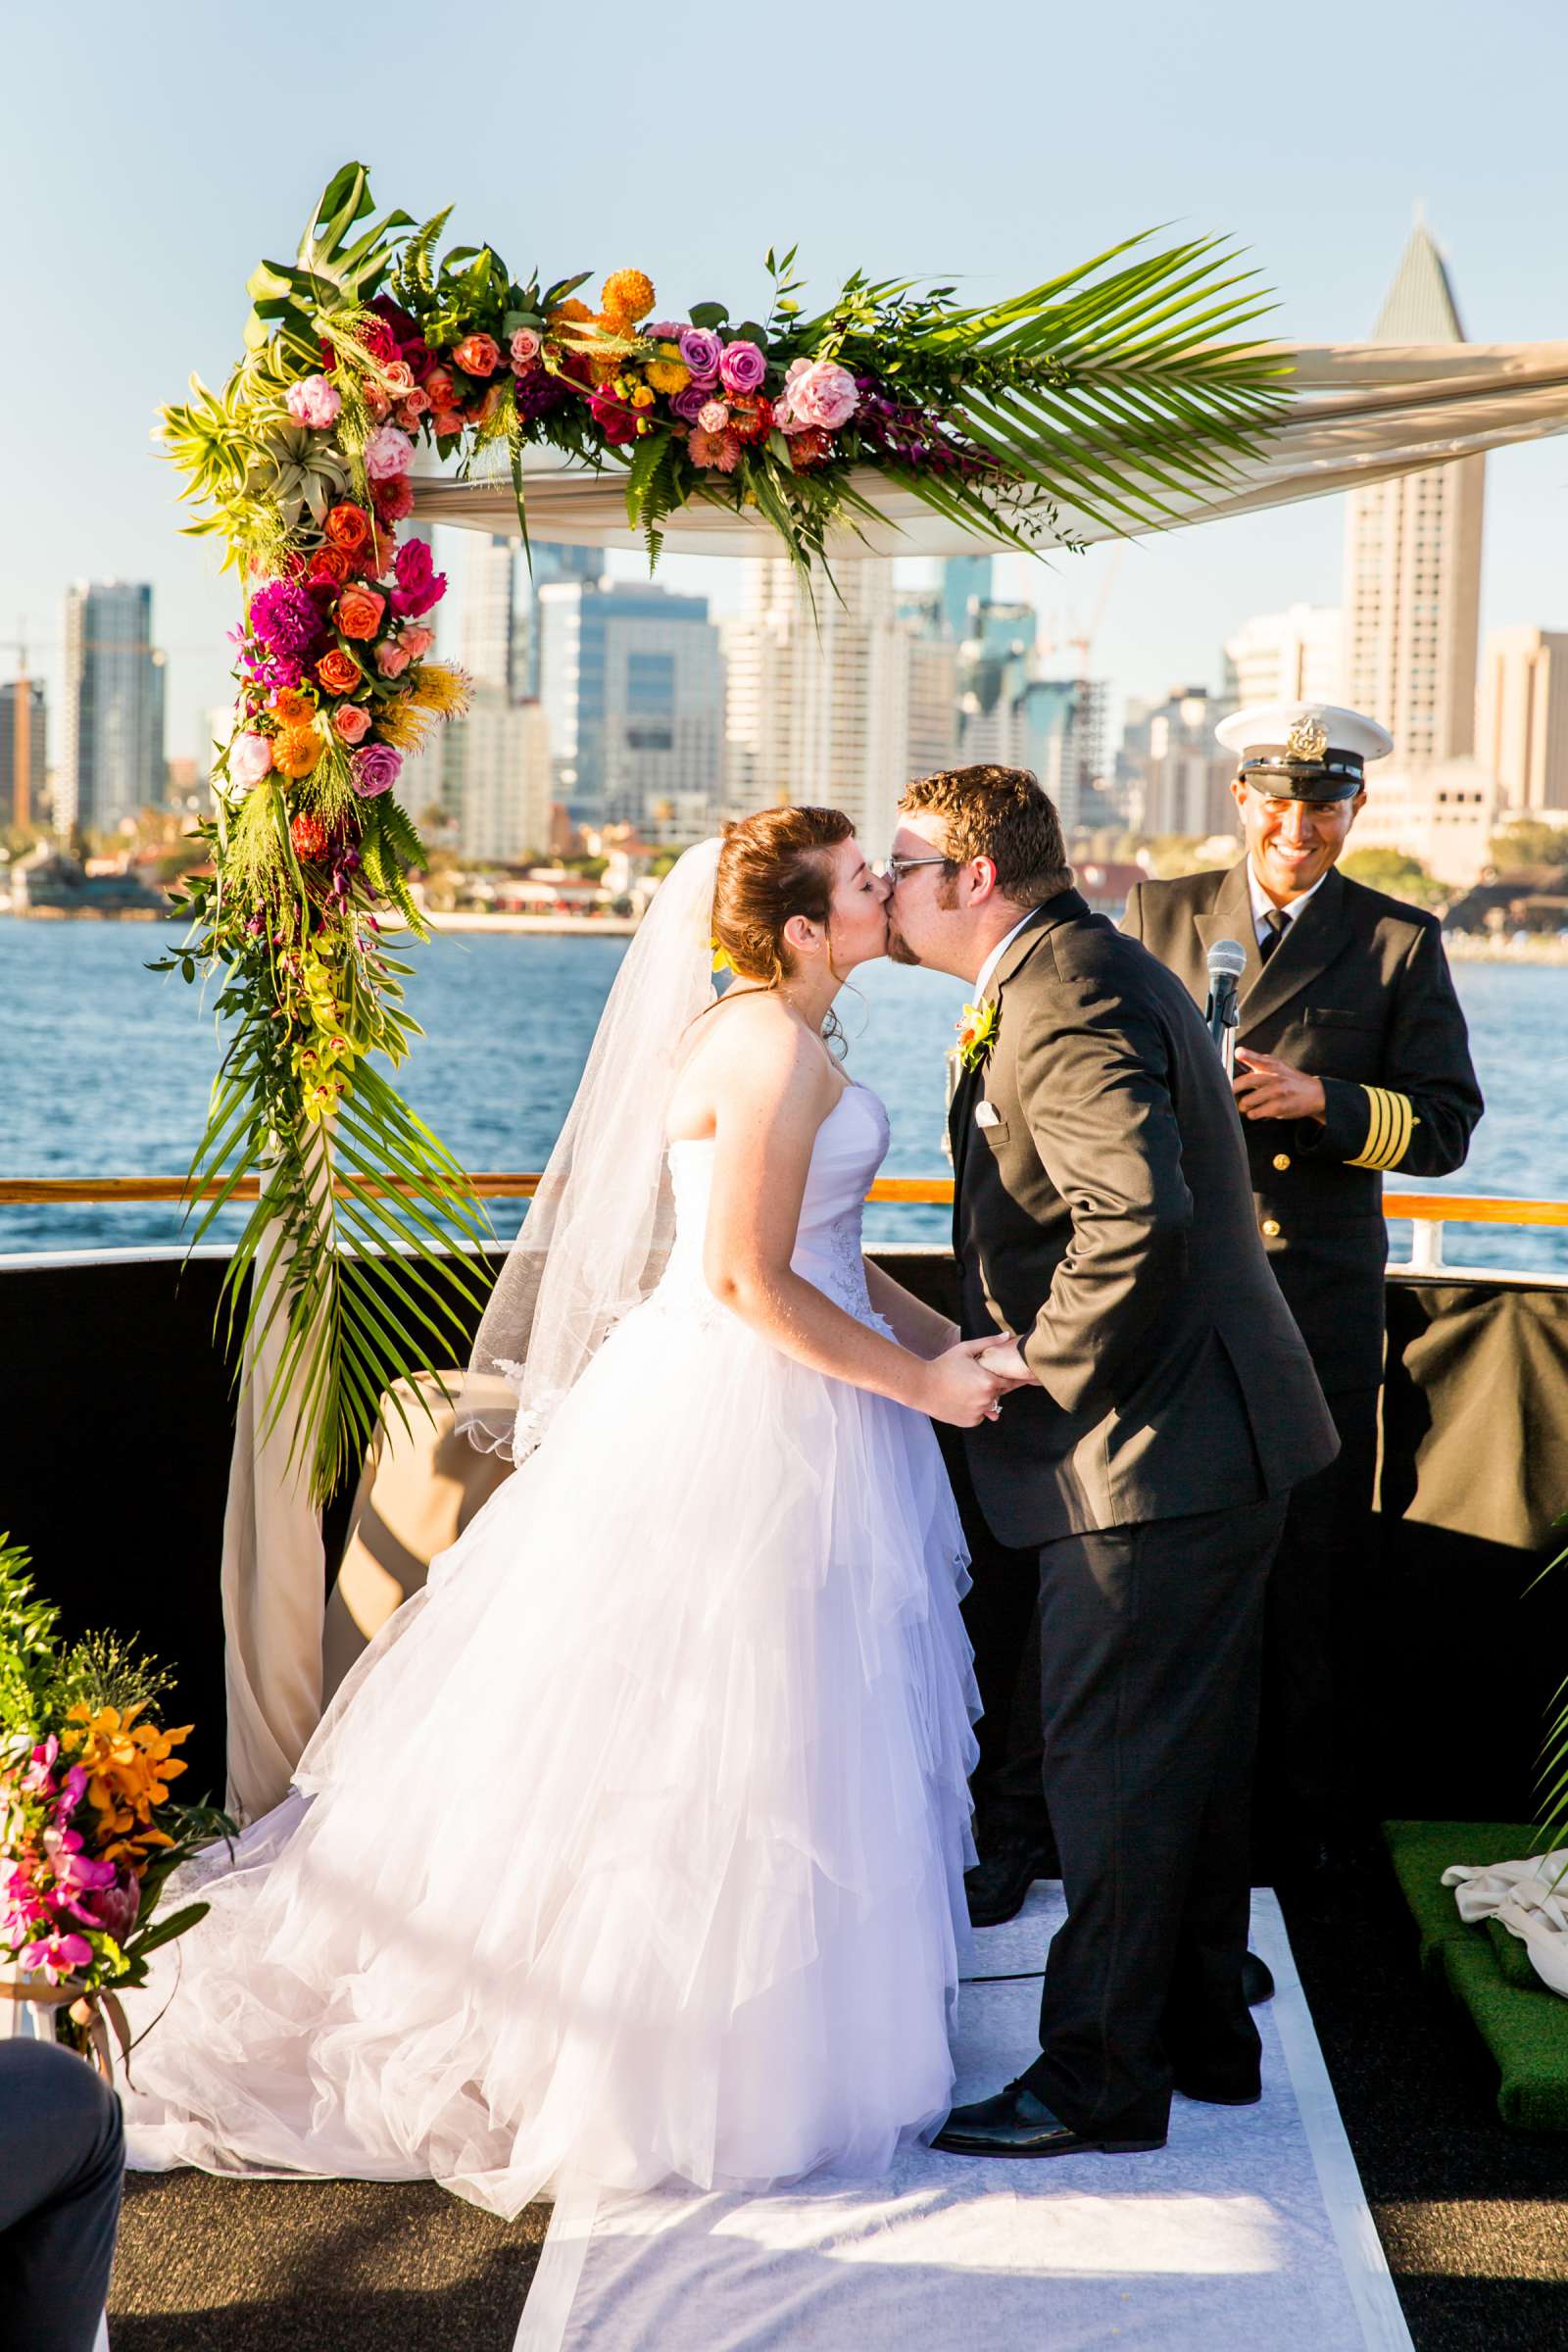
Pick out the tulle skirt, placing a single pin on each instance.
(633, 1848)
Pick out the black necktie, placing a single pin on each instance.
(1276, 923)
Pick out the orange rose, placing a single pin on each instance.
(478, 355)
(292, 709)
(348, 527)
(296, 751)
(360, 611)
(339, 671)
(330, 566)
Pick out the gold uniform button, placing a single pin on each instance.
(1271, 1227)
(1282, 1160)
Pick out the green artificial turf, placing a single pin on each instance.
(1524, 2026)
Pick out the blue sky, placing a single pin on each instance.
(154, 155)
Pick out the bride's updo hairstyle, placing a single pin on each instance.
(774, 866)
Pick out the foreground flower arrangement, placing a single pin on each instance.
(88, 1831)
(1108, 391)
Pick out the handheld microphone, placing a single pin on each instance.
(1227, 961)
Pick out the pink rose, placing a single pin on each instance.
(376, 403)
(397, 377)
(393, 658)
(440, 389)
(524, 349)
(375, 770)
(821, 394)
(478, 355)
(249, 761)
(447, 421)
(352, 722)
(714, 415)
(416, 643)
(412, 406)
(742, 367)
(387, 454)
(315, 403)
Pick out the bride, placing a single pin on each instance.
(633, 1848)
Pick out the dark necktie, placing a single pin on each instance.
(1276, 923)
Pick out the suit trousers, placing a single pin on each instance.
(1000, 1616)
(62, 2160)
(1151, 1649)
(1312, 1762)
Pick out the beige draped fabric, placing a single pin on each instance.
(1361, 411)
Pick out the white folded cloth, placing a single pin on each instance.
(1530, 1897)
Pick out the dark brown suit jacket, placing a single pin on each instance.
(1358, 994)
(1102, 1211)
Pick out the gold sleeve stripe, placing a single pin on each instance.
(1390, 1126)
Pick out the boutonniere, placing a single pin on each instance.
(977, 1029)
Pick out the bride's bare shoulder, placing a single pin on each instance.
(752, 1047)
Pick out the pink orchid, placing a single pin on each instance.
(37, 1779)
(56, 1956)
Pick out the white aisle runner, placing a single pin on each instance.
(1248, 2230)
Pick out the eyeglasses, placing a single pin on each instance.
(894, 869)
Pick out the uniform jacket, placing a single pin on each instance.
(1103, 1211)
(1358, 994)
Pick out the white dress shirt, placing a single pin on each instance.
(1263, 906)
(983, 976)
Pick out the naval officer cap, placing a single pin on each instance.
(1304, 750)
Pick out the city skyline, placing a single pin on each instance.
(141, 293)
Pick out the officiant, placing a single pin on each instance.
(1352, 1060)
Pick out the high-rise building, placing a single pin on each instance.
(1291, 657)
(632, 683)
(1413, 559)
(1444, 813)
(965, 582)
(23, 720)
(993, 667)
(112, 719)
(1057, 730)
(1523, 717)
(496, 780)
(1177, 778)
(500, 632)
(839, 707)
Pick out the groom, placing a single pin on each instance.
(1102, 1212)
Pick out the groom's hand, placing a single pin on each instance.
(1004, 1358)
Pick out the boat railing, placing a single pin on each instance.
(1429, 1213)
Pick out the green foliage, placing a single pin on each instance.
(27, 1636)
(1526, 842)
(1402, 877)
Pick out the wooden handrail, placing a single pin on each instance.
(1432, 1208)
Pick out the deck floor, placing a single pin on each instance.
(1474, 2218)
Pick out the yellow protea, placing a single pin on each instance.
(629, 293)
(402, 724)
(441, 687)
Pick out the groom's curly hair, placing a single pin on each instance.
(1000, 814)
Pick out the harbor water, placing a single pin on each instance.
(105, 1069)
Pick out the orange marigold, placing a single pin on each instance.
(565, 314)
(629, 294)
(293, 709)
(296, 750)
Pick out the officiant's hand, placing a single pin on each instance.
(958, 1390)
(1268, 1088)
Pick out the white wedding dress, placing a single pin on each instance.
(633, 1849)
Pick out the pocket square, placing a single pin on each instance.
(986, 1114)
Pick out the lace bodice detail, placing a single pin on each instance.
(851, 1145)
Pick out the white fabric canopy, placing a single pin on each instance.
(1361, 412)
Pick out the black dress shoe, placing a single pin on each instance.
(1257, 1980)
(1017, 2124)
(999, 1883)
